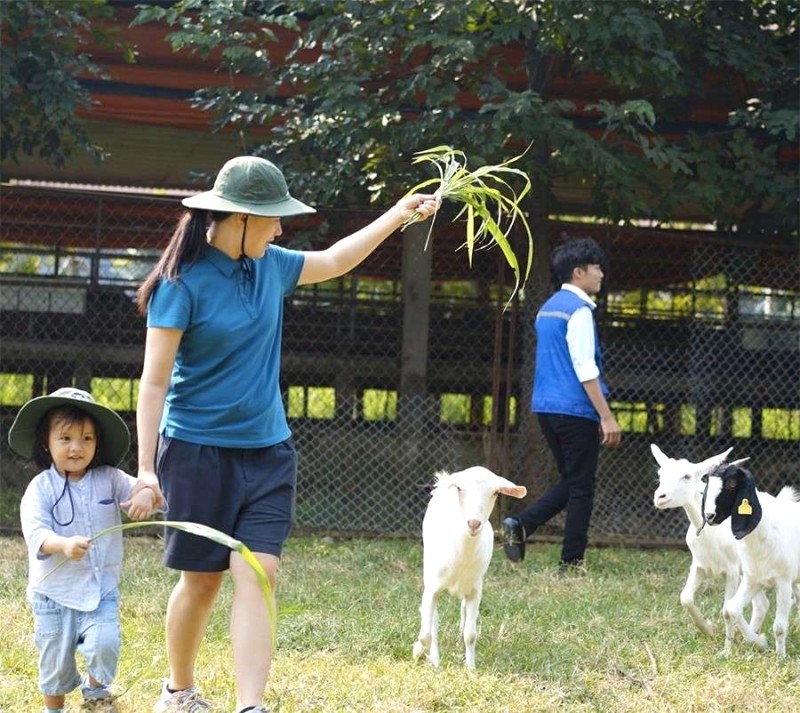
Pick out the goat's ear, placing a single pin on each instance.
(506, 487)
(709, 464)
(515, 491)
(746, 513)
(659, 455)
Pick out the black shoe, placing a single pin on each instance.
(571, 568)
(513, 539)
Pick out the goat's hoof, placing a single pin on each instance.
(761, 642)
(708, 629)
(418, 651)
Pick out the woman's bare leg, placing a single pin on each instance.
(250, 629)
(188, 612)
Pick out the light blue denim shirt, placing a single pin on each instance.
(92, 504)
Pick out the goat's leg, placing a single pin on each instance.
(783, 606)
(469, 629)
(760, 608)
(433, 654)
(732, 581)
(426, 643)
(733, 610)
(693, 582)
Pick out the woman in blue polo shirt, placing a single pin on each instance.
(212, 431)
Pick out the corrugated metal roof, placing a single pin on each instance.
(98, 188)
(139, 155)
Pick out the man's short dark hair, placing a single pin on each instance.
(575, 252)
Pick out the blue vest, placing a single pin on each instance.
(556, 388)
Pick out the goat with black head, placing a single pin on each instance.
(737, 498)
(767, 531)
(714, 550)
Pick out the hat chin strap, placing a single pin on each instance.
(247, 268)
(244, 233)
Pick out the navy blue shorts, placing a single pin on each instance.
(247, 493)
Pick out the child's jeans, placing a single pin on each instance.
(60, 632)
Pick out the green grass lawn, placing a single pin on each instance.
(615, 640)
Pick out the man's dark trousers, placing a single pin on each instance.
(575, 444)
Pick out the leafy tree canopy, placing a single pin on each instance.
(363, 85)
(42, 58)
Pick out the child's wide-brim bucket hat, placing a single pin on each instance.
(250, 185)
(115, 438)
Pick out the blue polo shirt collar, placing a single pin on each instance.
(221, 261)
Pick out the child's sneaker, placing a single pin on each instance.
(97, 699)
(185, 701)
(99, 705)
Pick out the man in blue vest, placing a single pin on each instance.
(569, 399)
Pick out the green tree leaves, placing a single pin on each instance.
(44, 57)
(657, 107)
(361, 86)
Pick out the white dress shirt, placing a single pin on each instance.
(581, 337)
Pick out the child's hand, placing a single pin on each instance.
(75, 547)
(148, 479)
(140, 506)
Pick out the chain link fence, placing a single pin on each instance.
(410, 364)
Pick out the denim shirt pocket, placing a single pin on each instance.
(106, 514)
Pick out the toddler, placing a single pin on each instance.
(80, 491)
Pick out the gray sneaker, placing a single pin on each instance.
(99, 699)
(99, 705)
(257, 709)
(188, 700)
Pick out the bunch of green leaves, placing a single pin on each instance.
(210, 533)
(489, 203)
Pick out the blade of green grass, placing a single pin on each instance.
(210, 533)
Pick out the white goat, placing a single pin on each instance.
(458, 542)
(767, 530)
(714, 551)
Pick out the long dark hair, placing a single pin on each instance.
(186, 244)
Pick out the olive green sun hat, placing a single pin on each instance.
(115, 437)
(250, 185)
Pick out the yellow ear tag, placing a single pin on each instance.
(745, 508)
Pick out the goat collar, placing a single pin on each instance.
(703, 508)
